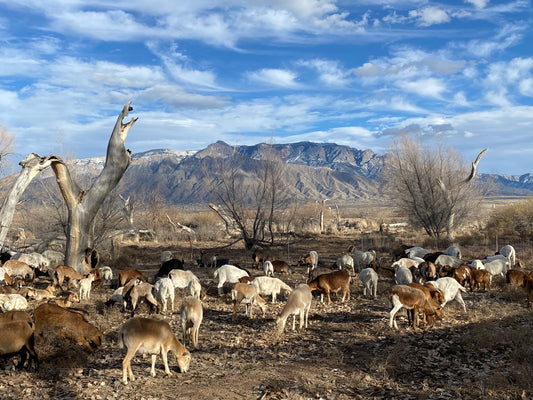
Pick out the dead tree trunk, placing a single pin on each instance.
(83, 205)
(31, 166)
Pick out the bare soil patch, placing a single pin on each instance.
(347, 352)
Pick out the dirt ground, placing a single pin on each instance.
(347, 352)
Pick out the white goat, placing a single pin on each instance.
(405, 262)
(369, 279)
(228, 273)
(34, 260)
(477, 264)
(299, 302)
(153, 337)
(9, 302)
(451, 289)
(181, 278)
(85, 286)
(450, 261)
(416, 252)
(191, 315)
(403, 275)
(54, 257)
(345, 262)
(497, 267)
(362, 259)
(164, 290)
(166, 255)
(453, 251)
(509, 252)
(266, 285)
(107, 273)
(311, 260)
(268, 268)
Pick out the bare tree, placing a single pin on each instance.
(248, 201)
(432, 186)
(83, 205)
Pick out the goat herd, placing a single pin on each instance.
(38, 294)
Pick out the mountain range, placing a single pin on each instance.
(311, 171)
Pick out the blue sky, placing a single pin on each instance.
(357, 73)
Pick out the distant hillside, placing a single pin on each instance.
(312, 171)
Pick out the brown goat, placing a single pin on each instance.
(480, 278)
(463, 275)
(70, 324)
(332, 282)
(516, 278)
(16, 315)
(281, 267)
(434, 296)
(18, 268)
(528, 283)
(411, 298)
(63, 272)
(127, 275)
(257, 259)
(18, 338)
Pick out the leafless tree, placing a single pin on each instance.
(248, 201)
(433, 186)
(83, 205)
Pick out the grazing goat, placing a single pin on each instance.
(258, 258)
(153, 337)
(228, 273)
(434, 296)
(63, 272)
(281, 267)
(165, 256)
(310, 260)
(168, 266)
(268, 268)
(345, 262)
(143, 290)
(428, 270)
(332, 282)
(164, 290)
(207, 260)
(362, 259)
(416, 252)
(16, 268)
(516, 278)
(412, 299)
(191, 315)
(67, 299)
(266, 285)
(85, 286)
(403, 275)
(34, 260)
(480, 278)
(453, 251)
(71, 324)
(477, 264)
(54, 257)
(369, 279)
(247, 294)
(181, 278)
(497, 267)
(432, 257)
(127, 275)
(509, 252)
(16, 315)
(194, 288)
(451, 289)
(299, 302)
(18, 338)
(446, 260)
(463, 275)
(9, 302)
(107, 273)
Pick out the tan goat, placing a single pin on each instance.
(332, 282)
(247, 294)
(18, 338)
(191, 315)
(299, 302)
(152, 337)
(63, 272)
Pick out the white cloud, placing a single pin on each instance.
(480, 4)
(367, 70)
(429, 87)
(274, 77)
(428, 16)
(526, 87)
(330, 72)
